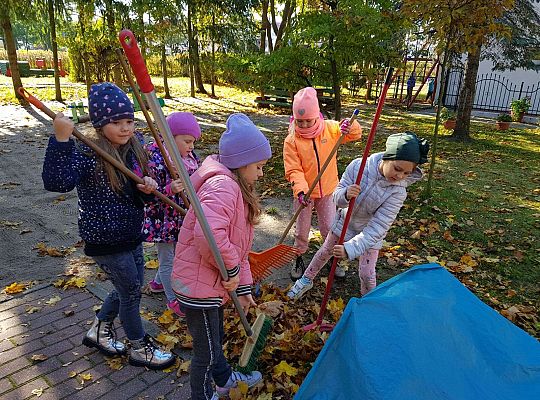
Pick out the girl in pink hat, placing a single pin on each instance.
(162, 222)
(310, 141)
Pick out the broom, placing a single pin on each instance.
(100, 152)
(318, 323)
(257, 334)
(264, 262)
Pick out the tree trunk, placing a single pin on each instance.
(141, 37)
(190, 50)
(427, 191)
(109, 16)
(213, 72)
(86, 66)
(164, 70)
(269, 27)
(52, 23)
(466, 97)
(9, 43)
(335, 80)
(264, 26)
(197, 61)
(285, 18)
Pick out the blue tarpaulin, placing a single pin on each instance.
(422, 335)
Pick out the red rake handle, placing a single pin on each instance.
(98, 150)
(369, 142)
(133, 54)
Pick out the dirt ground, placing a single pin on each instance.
(30, 215)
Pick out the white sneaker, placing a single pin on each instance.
(300, 287)
(250, 379)
(339, 272)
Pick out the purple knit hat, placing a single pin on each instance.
(184, 123)
(106, 103)
(242, 143)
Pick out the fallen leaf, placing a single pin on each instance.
(152, 264)
(168, 341)
(53, 300)
(39, 357)
(284, 368)
(86, 377)
(38, 392)
(184, 367)
(271, 308)
(115, 363)
(14, 288)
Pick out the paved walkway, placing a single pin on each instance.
(55, 330)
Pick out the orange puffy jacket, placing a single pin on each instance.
(303, 158)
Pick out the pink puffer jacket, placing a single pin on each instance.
(196, 279)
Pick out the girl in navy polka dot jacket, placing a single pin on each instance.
(110, 216)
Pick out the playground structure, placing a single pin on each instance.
(25, 70)
(420, 60)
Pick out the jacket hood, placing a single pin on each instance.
(374, 162)
(209, 168)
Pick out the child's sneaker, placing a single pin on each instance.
(300, 287)
(174, 306)
(339, 272)
(155, 287)
(250, 379)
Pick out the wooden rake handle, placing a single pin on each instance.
(99, 151)
(172, 171)
(316, 180)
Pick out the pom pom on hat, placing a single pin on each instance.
(306, 104)
(184, 123)
(406, 146)
(107, 103)
(242, 143)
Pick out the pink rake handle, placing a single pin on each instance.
(382, 98)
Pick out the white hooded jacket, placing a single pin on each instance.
(375, 209)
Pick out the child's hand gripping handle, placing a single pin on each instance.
(133, 54)
(145, 83)
(98, 150)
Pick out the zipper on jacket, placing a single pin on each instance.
(318, 167)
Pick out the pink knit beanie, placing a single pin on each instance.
(184, 123)
(305, 104)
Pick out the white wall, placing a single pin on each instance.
(519, 75)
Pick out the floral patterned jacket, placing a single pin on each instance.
(161, 222)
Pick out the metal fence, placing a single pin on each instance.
(493, 92)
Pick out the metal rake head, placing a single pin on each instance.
(264, 262)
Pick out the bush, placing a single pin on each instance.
(32, 55)
(446, 114)
(520, 106)
(504, 118)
